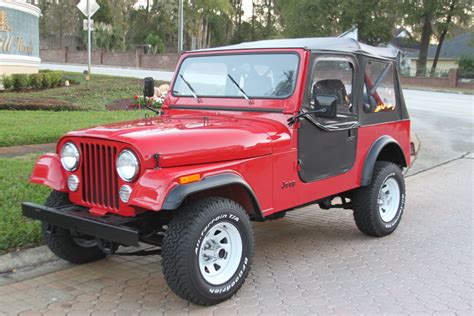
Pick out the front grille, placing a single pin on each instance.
(99, 175)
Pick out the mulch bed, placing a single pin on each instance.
(34, 104)
(121, 105)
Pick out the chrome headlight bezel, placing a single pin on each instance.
(70, 151)
(127, 165)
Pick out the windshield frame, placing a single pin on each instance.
(231, 53)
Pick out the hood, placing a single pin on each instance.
(193, 139)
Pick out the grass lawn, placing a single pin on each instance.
(16, 231)
(102, 91)
(36, 127)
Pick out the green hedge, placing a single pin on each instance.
(41, 80)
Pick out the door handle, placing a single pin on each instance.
(351, 133)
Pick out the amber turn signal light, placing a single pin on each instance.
(191, 178)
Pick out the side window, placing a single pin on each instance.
(333, 76)
(379, 88)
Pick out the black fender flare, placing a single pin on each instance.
(178, 194)
(372, 156)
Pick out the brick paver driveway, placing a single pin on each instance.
(313, 261)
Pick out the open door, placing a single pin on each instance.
(327, 145)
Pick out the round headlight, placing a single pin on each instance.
(127, 165)
(70, 157)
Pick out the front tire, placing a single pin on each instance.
(378, 207)
(65, 244)
(208, 250)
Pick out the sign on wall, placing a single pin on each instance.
(18, 32)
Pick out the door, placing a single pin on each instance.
(327, 146)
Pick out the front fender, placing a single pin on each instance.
(150, 190)
(49, 172)
(157, 190)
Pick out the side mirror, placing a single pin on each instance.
(148, 87)
(327, 106)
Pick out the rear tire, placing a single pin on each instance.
(208, 250)
(378, 207)
(63, 243)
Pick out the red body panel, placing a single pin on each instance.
(48, 171)
(192, 138)
(260, 147)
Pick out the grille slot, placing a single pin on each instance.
(99, 176)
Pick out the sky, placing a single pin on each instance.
(246, 4)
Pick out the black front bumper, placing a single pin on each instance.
(110, 227)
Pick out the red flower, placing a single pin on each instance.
(136, 97)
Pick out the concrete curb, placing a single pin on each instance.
(438, 90)
(415, 141)
(25, 258)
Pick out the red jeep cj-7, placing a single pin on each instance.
(248, 132)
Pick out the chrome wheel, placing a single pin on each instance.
(220, 253)
(389, 199)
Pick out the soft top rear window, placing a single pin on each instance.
(267, 75)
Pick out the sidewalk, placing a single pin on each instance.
(311, 262)
(113, 71)
(21, 150)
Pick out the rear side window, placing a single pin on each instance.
(379, 88)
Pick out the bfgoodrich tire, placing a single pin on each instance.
(378, 207)
(63, 243)
(208, 250)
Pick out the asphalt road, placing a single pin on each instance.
(444, 123)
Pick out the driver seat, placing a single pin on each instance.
(332, 87)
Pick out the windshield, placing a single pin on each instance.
(238, 76)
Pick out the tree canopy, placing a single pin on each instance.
(120, 26)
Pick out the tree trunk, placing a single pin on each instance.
(424, 45)
(253, 21)
(269, 17)
(146, 13)
(442, 36)
(61, 33)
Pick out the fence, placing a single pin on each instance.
(451, 81)
(130, 59)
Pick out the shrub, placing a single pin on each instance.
(156, 43)
(56, 78)
(7, 82)
(466, 63)
(466, 66)
(20, 81)
(71, 79)
(46, 80)
(36, 80)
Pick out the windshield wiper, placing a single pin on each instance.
(238, 87)
(193, 92)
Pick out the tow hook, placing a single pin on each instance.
(50, 229)
(106, 246)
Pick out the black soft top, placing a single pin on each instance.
(330, 44)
